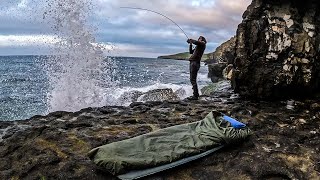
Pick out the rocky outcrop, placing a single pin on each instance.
(285, 144)
(277, 49)
(225, 52)
(223, 55)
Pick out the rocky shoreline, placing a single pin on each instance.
(285, 144)
(275, 54)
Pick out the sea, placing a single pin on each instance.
(38, 85)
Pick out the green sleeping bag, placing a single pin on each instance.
(167, 145)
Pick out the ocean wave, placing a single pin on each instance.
(116, 96)
(123, 96)
(201, 76)
(14, 80)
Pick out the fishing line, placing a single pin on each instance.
(159, 14)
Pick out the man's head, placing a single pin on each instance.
(201, 38)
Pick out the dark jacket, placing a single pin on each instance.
(198, 51)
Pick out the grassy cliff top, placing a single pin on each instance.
(184, 56)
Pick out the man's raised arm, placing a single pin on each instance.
(196, 42)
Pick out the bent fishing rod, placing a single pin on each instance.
(159, 14)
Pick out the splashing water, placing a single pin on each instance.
(79, 75)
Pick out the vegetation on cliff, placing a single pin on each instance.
(224, 52)
(185, 56)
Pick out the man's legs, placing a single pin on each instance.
(194, 68)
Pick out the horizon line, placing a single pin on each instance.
(57, 55)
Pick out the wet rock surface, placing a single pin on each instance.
(277, 49)
(285, 144)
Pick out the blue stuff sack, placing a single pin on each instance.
(234, 123)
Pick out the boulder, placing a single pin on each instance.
(180, 92)
(215, 88)
(216, 71)
(159, 95)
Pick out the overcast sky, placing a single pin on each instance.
(131, 32)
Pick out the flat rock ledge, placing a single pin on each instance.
(285, 144)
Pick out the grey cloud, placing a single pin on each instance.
(206, 20)
(216, 20)
(5, 4)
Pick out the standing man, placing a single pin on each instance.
(195, 59)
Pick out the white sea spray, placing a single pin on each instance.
(78, 71)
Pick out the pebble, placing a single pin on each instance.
(302, 121)
(290, 104)
(266, 149)
(315, 106)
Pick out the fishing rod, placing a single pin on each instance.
(159, 14)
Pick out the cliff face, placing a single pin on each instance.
(277, 49)
(223, 55)
(225, 52)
